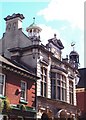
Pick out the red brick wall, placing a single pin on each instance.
(13, 82)
(81, 101)
(85, 102)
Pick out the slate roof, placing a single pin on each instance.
(33, 26)
(82, 81)
(74, 53)
(16, 66)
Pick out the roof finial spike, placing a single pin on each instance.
(34, 20)
(72, 45)
(54, 35)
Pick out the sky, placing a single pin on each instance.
(65, 18)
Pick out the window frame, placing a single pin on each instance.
(71, 92)
(59, 84)
(25, 92)
(43, 91)
(3, 91)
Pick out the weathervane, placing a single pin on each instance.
(72, 45)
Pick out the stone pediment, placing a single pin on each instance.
(56, 42)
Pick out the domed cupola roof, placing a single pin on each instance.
(33, 26)
(73, 53)
(33, 30)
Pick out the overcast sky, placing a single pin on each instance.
(63, 17)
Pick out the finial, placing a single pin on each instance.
(34, 20)
(72, 45)
(54, 35)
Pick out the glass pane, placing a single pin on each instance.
(58, 75)
(42, 70)
(58, 93)
(1, 79)
(45, 71)
(62, 84)
(53, 82)
(42, 88)
(1, 89)
(23, 90)
(65, 95)
(45, 78)
(53, 75)
(62, 93)
(41, 77)
(58, 82)
(45, 89)
(65, 85)
(22, 85)
(72, 98)
(53, 92)
(23, 94)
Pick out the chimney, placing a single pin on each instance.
(14, 22)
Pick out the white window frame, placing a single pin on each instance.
(43, 82)
(25, 90)
(3, 92)
(71, 92)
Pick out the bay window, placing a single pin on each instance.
(58, 86)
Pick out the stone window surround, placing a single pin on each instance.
(43, 81)
(71, 94)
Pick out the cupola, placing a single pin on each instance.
(74, 57)
(33, 30)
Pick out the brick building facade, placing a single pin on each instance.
(17, 91)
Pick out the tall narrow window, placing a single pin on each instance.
(23, 90)
(63, 82)
(43, 81)
(53, 85)
(2, 84)
(58, 86)
(71, 92)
